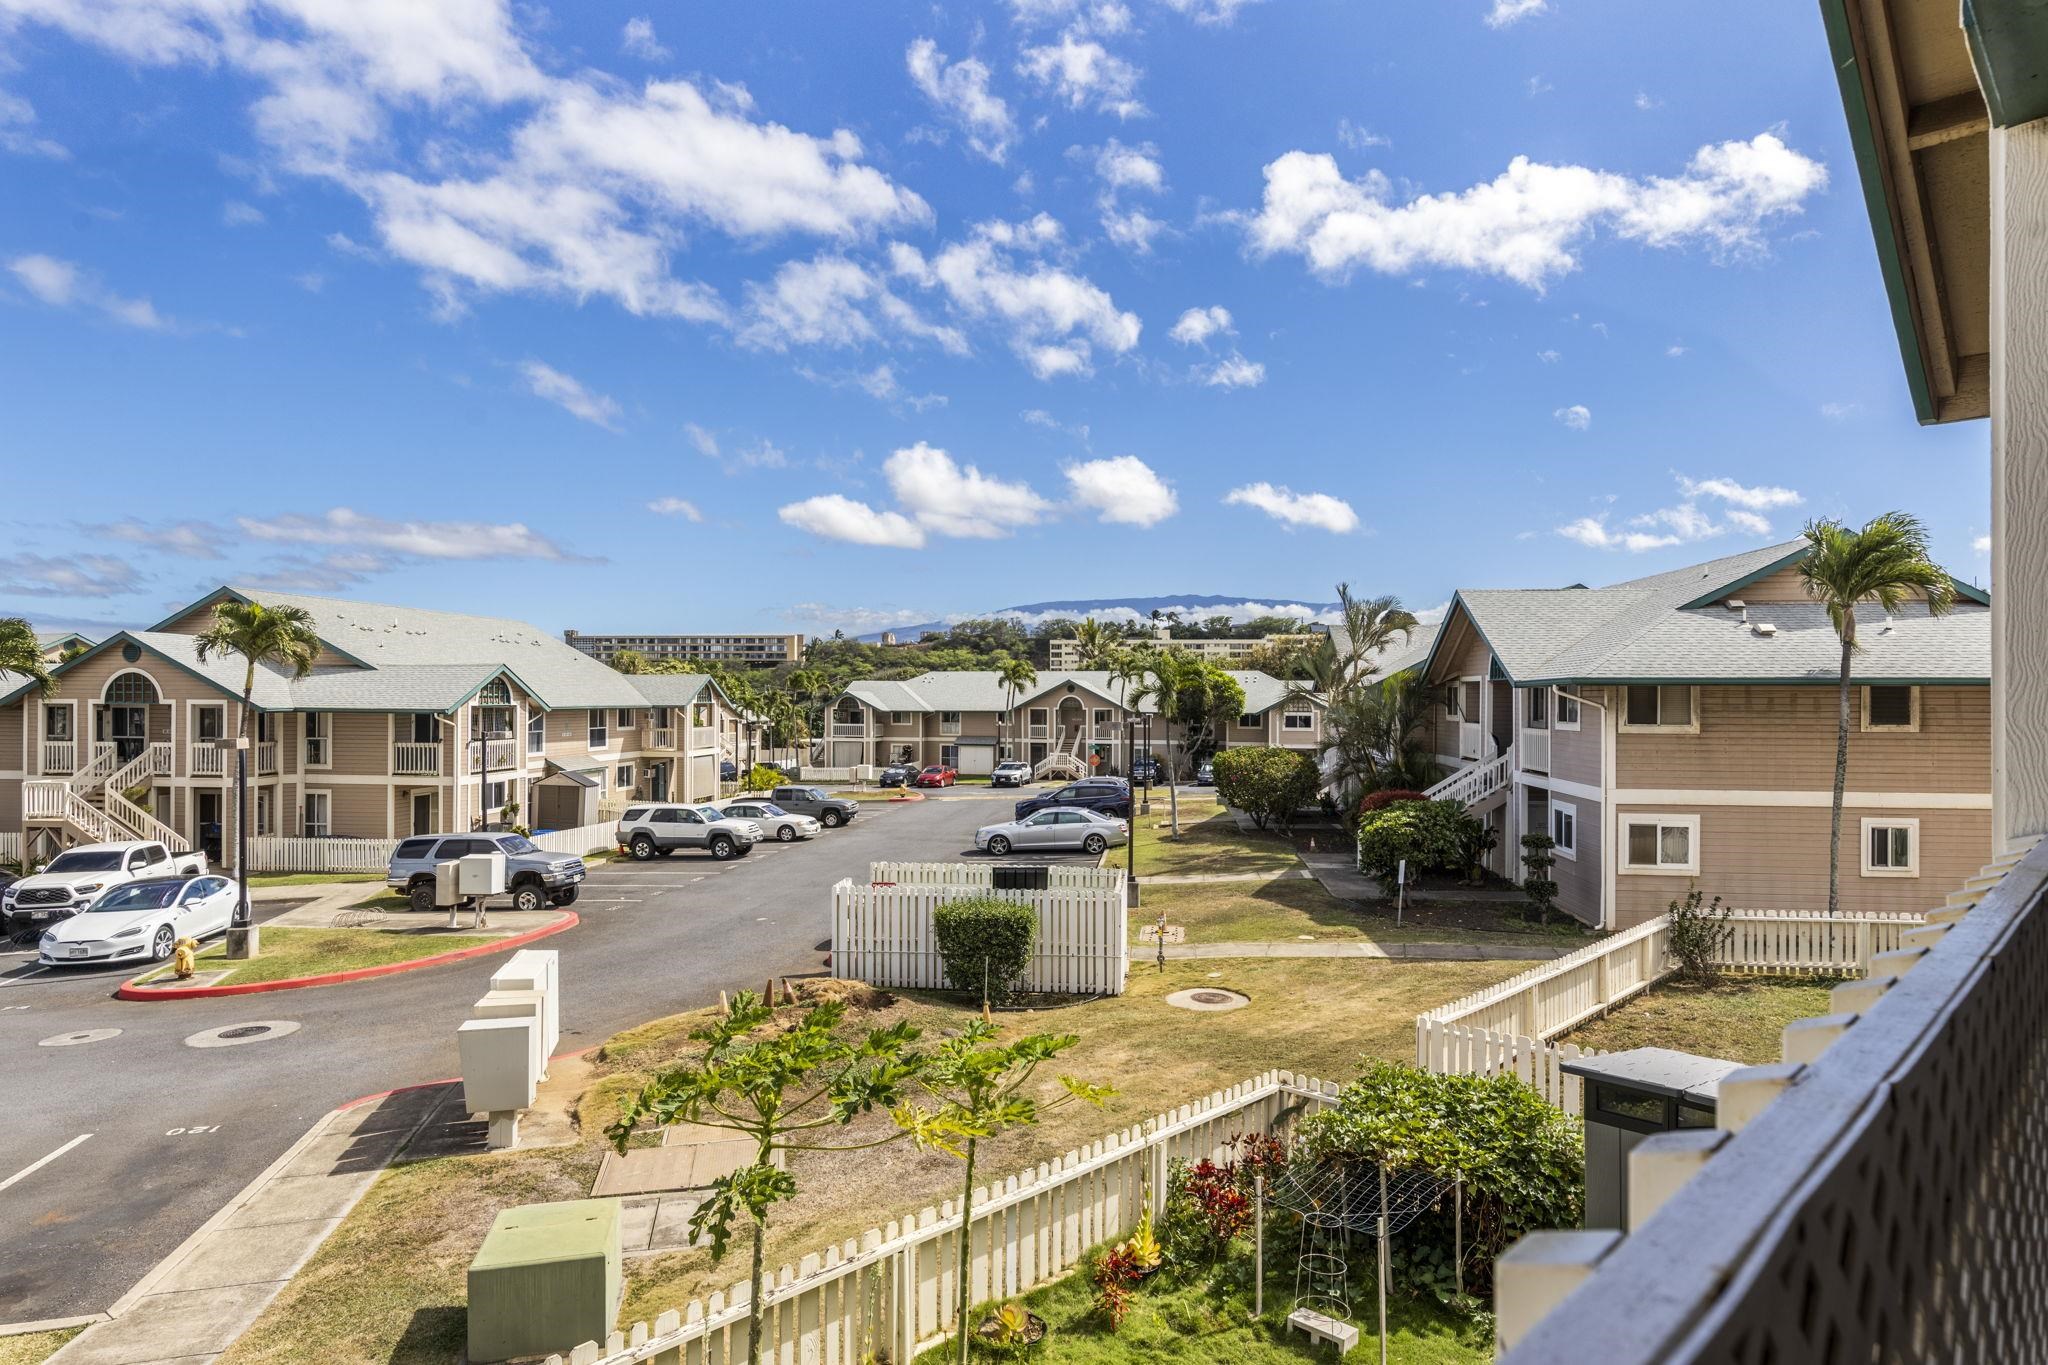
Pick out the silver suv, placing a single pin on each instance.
(651, 831)
(533, 877)
(829, 811)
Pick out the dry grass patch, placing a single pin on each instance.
(32, 1348)
(1298, 908)
(1739, 1017)
(1210, 841)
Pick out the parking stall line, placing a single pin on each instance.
(35, 1166)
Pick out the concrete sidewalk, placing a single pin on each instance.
(1412, 952)
(193, 1305)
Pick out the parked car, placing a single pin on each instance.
(654, 830)
(1148, 770)
(1011, 772)
(78, 876)
(728, 771)
(829, 811)
(141, 920)
(1087, 830)
(895, 775)
(774, 821)
(1205, 776)
(937, 775)
(533, 877)
(1109, 795)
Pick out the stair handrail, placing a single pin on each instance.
(45, 799)
(105, 759)
(142, 824)
(1473, 783)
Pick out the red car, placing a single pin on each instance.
(938, 775)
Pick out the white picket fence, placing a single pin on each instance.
(1062, 877)
(892, 1291)
(10, 846)
(883, 935)
(272, 853)
(1453, 1049)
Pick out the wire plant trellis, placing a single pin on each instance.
(1338, 1197)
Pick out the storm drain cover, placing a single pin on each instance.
(1208, 999)
(90, 1035)
(234, 1035)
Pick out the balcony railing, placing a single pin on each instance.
(410, 758)
(662, 737)
(1471, 740)
(504, 753)
(949, 727)
(60, 755)
(266, 757)
(1535, 754)
(209, 758)
(848, 729)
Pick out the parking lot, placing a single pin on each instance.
(123, 1134)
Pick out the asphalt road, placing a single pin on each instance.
(142, 1137)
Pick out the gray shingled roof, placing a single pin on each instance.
(668, 689)
(982, 690)
(1642, 630)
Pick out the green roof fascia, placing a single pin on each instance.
(226, 592)
(151, 649)
(2009, 48)
(1458, 605)
(1877, 202)
(1728, 589)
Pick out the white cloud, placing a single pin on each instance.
(1197, 325)
(1232, 372)
(17, 119)
(852, 620)
(1549, 357)
(1359, 138)
(841, 518)
(1753, 522)
(1645, 103)
(190, 539)
(1132, 228)
(1840, 412)
(569, 394)
(1082, 71)
(960, 90)
(71, 575)
(1741, 510)
(1222, 12)
(1505, 12)
(637, 39)
(959, 501)
(1318, 510)
(1593, 533)
(1675, 350)
(1577, 417)
(705, 441)
(1982, 545)
(834, 301)
(1526, 224)
(235, 213)
(415, 539)
(1120, 167)
(1122, 489)
(1757, 498)
(1538, 86)
(61, 284)
(676, 507)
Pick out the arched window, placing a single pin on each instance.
(131, 689)
(496, 692)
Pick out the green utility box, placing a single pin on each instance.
(546, 1279)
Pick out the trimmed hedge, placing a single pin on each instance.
(1385, 797)
(1433, 836)
(985, 944)
(1266, 783)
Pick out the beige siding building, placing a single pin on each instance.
(1678, 731)
(729, 649)
(411, 722)
(1065, 651)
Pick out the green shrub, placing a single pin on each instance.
(760, 778)
(1537, 860)
(1698, 936)
(985, 944)
(1266, 784)
(1434, 836)
(1523, 1162)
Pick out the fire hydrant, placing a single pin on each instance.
(185, 958)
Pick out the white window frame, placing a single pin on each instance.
(1567, 700)
(1305, 714)
(325, 740)
(326, 822)
(1454, 699)
(1691, 727)
(503, 786)
(623, 778)
(537, 733)
(1911, 824)
(70, 710)
(625, 719)
(1627, 821)
(949, 756)
(1570, 809)
(595, 735)
(260, 813)
(899, 718)
(192, 722)
(1912, 727)
(1251, 720)
(1536, 708)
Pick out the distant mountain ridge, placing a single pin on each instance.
(1193, 605)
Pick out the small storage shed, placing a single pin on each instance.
(1630, 1095)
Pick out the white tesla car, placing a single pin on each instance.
(142, 921)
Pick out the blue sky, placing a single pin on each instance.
(788, 316)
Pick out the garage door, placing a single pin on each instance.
(846, 753)
(703, 777)
(977, 760)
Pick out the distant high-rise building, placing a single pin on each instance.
(726, 649)
(1066, 651)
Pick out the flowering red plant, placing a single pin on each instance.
(1115, 1270)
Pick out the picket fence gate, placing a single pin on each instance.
(893, 1290)
(1455, 1050)
(10, 846)
(277, 853)
(1061, 876)
(883, 935)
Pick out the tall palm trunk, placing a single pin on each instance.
(242, 926)
(966, 1253)
(1841, 783)
(1172, 775)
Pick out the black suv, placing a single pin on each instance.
(1110, 795)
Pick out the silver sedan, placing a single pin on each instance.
(1060, 828)
(774, 820)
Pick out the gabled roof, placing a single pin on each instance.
(983, 690)
(675, 689)
(1670, 627)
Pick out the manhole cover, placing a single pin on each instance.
(234, 1035)
(89, 1035)
(1207, 1000)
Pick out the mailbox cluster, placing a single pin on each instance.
(469, 880)
(507, 1040)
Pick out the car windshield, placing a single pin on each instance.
(516, 844)
(84, 862)
(770, 809)
(815, 794)
(712, 813)
(138, 896)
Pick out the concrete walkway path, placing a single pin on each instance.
(207, 1293)
(1366, 948)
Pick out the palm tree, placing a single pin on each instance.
(1128, 668)
(1093, 644)
(1015, 675)
(1186, 688)
(1369, 629)
(1886, 562)
(1368, 724)
(278, 636)
(19, 653)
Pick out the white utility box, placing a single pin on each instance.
(536, 969)
(483, 874)
(498, 1078)
(514, 1004)
(448, 883)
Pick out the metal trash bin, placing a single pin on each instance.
(1023, 877)
(1630, 1095)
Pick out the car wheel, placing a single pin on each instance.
(1094, 844)
(785, 834)
(643, 848)
(564, 899)
(998, 847)
(165, 940)
(722, 848)
(831, 819)
(529, 897)
(666, 852)
(422, 897)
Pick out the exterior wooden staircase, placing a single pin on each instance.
(92, 806)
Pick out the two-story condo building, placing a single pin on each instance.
(411, 721)
(1071, 722)
(1679, 730)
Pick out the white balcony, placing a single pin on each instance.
(60, 755)
(661, 738)
(1471, 740)
(1536, 751)
(504, 753)
(413, 759)
(266, 757)
(209, 759)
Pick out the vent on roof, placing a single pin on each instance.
(1765, 629)
(1736, 604)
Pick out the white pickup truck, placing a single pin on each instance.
(78, 876)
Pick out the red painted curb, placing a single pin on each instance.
(129, 991)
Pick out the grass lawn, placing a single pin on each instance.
(312, 952)
(1740, 1017)
(31, 1348)
(389, 1285)
(1210, 841)
(1296, 908)
(1203, 1322)
(311, 878)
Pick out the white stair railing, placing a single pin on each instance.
(153, 761)
(142, 824)
(58, 801)
(1474, 784)
(106, 759)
